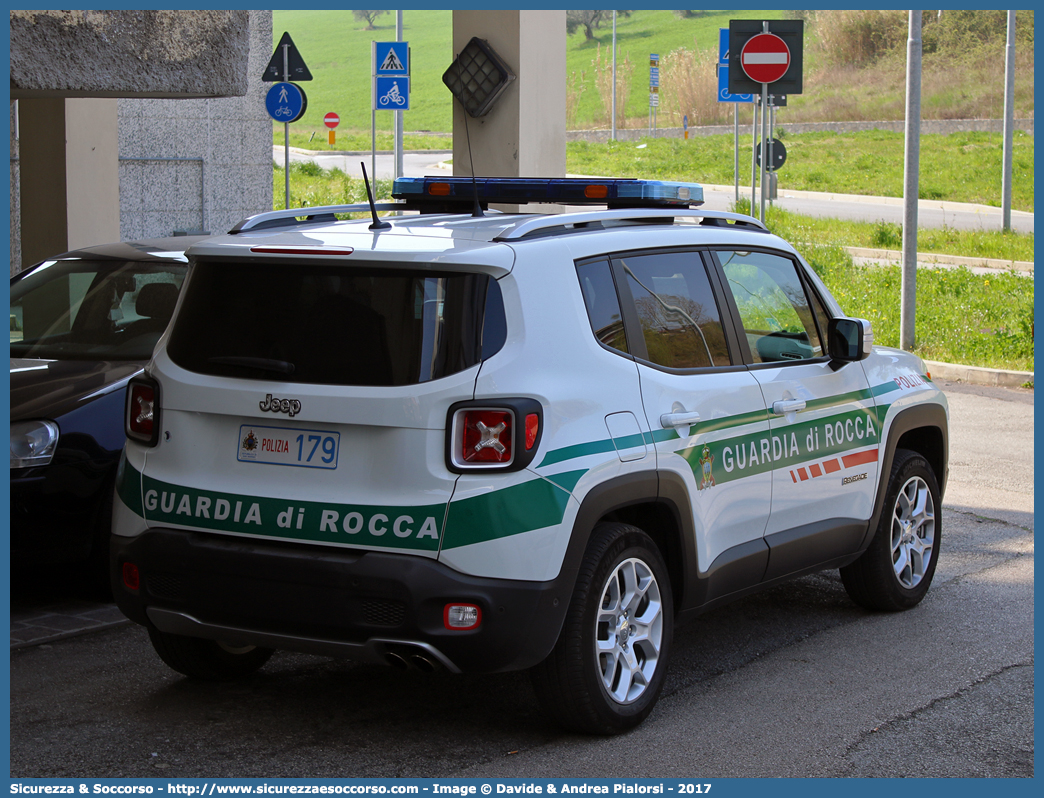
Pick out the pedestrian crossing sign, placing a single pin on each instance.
(391, 58)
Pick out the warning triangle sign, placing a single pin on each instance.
(392, 63)
(275, 72)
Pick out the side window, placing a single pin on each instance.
(773, 306)
(676, 309)
(603, 306)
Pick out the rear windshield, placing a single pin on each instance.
(332, 325)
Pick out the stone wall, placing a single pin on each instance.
(128, 53)
(198, 165)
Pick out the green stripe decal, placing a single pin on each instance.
(498, 514)
(531, 505)
(715, 424)
(409, 527)
(887, 387)
(715, 462)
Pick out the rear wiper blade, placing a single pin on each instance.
(263, 363)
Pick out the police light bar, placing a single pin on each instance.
(446, 192)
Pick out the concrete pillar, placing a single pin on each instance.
(16, 195)
(70, 146)
(523, 135)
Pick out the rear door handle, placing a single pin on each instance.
(673, 420)
(784, 406)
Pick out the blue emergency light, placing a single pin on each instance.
(451, 193)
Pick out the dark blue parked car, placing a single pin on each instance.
(82, 324)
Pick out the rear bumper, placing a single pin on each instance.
(368, 606)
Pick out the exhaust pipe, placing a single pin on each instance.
(422, 663)
(396, 661)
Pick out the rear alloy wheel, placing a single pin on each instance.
(896, 570)
(211, 660)
(607, 669)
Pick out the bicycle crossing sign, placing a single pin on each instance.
(285, 102)
(391, 58)
(392, 93)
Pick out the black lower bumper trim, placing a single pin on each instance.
(369, 606)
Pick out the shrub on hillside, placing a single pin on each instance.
(859, 37)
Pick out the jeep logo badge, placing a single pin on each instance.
(271, 405)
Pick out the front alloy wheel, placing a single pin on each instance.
(895, 571)
(913, 532)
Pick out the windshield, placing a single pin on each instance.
(93, 309)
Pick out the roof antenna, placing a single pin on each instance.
(477, 209)
(377, 223)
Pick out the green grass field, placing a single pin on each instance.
(960, 167)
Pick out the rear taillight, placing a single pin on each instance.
(499, 435)
(142, 414)
(486, 437)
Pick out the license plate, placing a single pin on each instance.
(305, 448)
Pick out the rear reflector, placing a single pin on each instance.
(131, 577)
(532, 430)
(461, 616)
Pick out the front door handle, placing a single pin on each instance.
(784, 406)
(673, 420)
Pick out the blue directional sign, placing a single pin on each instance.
(391, 58)
(723, 72)
(392, 93)
(285, 102)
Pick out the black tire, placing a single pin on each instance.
(207, 659)
(571, 684)
(895, 572)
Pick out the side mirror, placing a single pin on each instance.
(849, 339)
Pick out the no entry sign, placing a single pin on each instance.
(331, 120)
(765, 58)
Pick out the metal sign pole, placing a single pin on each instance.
(612, 134)
(911, 175)
(754, 161)
(772, 146)
(398, 114)
(286, 128)
(735, 139)
(373, 111)
(764, 127)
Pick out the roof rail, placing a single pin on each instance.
(569, 222)
(317, 213)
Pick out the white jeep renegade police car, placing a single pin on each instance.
(493, 442)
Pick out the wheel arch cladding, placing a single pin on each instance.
(638, 499)
(922, 429)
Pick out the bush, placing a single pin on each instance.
(858, 37)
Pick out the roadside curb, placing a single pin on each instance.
(976, 375)
(946, 260)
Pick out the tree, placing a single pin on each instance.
(589, 20)
(369, 17)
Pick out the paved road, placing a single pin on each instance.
(930, 213)
(793, 682)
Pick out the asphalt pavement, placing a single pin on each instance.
(851, 207)
(794, 682)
